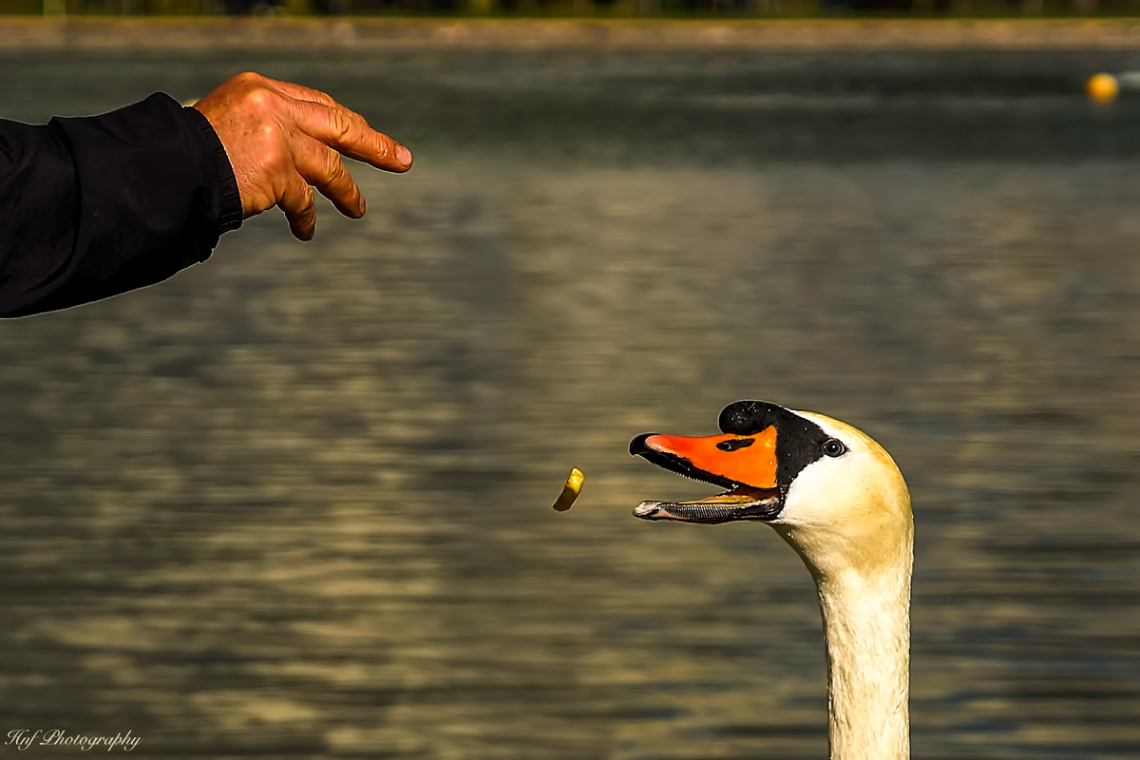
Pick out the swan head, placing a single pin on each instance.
(830, 490)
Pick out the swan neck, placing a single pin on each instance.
(866, 624)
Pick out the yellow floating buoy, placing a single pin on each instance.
(570, 491)
(1102, 88)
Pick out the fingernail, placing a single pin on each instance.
(403, 155)
(362, 205)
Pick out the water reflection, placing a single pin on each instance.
(295, 502)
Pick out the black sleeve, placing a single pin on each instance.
(96, 206)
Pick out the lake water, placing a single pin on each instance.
(295, 502)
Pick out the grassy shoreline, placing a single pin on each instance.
(193, 33)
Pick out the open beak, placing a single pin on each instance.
(744, 464)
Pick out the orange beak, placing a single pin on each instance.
(729, 460)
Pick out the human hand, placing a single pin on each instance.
(283, 139)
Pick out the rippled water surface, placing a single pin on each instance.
(295, 502)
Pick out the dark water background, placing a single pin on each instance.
(295, 501)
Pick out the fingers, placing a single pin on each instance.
(349, 133)
(322, 118)
(300, 209)
(322, 166)
(283, 138)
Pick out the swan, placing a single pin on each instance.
(839, 499)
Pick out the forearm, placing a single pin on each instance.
(93, 207)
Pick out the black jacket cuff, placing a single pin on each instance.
(226, 203)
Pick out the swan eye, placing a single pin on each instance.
(834, 447)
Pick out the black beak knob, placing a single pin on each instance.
(747, 417)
